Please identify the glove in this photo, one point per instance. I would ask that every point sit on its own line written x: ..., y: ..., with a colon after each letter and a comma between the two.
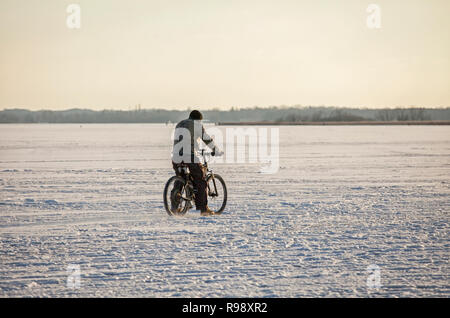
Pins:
x: 216, y: 152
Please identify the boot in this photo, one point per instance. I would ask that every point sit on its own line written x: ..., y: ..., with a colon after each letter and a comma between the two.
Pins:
x: 207, y: 211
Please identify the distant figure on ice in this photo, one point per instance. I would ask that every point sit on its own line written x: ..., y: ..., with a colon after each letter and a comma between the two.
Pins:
x: 189, y: 133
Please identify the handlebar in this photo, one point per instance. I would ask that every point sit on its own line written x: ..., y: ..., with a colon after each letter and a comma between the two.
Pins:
x: 210, y: 153
x: 207, y: 155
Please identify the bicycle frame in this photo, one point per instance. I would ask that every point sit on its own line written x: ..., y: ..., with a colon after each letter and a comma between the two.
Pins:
x: 209, y: 174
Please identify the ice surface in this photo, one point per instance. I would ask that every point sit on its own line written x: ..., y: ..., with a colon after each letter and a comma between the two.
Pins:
x: 344, y: 198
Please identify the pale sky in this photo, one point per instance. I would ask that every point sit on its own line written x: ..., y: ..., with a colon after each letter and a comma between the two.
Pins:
x: 224, y: 53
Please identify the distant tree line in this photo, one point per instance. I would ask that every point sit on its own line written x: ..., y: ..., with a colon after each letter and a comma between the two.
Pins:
x: 277, y: 114
x: 324, y: 114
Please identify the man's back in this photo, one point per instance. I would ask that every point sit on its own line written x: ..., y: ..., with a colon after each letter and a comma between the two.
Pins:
x: 189, y: 133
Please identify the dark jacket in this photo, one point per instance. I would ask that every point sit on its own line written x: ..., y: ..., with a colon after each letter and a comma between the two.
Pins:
x: 186, y: 143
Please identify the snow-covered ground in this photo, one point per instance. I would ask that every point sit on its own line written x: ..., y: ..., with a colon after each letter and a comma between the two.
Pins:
x: 344, y: 199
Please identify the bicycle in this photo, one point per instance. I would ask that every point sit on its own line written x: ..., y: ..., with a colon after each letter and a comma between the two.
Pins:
x: 179, y: 192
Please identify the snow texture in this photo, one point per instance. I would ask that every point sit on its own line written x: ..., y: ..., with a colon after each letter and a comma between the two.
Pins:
x: 345, y: 198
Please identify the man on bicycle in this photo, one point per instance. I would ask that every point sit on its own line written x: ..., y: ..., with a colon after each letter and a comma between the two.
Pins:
x: 189, y: 133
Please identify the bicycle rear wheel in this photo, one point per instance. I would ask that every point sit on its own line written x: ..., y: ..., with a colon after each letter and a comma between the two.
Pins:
x: 176, y: 200
x: 217, y: 193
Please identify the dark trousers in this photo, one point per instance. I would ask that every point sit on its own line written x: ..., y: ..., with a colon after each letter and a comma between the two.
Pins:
x: 198, y: 175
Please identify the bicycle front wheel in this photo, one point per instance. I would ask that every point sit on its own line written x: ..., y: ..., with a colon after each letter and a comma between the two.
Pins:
x: 217, y: 193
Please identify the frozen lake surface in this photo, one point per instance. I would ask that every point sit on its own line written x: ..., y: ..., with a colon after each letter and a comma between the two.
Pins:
x: 345, y: 200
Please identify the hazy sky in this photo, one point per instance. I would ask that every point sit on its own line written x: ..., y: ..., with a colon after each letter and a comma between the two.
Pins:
x: 223, y: 53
